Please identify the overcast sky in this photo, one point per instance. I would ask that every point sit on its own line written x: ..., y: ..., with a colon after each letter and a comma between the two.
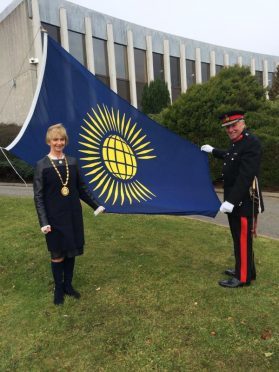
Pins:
x: 250, y: 25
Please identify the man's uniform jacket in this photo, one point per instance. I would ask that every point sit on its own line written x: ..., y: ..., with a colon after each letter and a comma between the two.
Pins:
x: 240, y: 167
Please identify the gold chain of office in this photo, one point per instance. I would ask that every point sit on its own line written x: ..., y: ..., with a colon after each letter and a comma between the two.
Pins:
x: 64, y: 190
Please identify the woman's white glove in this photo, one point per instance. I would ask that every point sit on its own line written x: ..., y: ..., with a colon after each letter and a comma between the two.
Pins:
x: 226, y: 207
x: 46, y: 229
x: 99, y: 210
x: 207, y: 148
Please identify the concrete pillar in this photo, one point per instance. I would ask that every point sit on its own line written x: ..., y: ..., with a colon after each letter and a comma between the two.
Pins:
x: 183, y: 68
x: 64, y: 29
x: 198, y: 66
x: 265, y: 73
x: 212, y: 64
x: 149, y: 59
x: 36, y: 24
x: 131, y: 68
x: 265, y: 76
x: 253, y: 67
x: 167, y: 66
x: 89, y: 45
x: 226, y: 60
x: 239, y: 61
x: 111, y: 58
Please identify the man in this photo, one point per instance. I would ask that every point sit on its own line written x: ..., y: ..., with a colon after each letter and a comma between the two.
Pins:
x: 242, y: 197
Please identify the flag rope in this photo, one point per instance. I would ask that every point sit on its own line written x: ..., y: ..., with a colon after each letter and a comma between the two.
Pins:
x: 8, y: 160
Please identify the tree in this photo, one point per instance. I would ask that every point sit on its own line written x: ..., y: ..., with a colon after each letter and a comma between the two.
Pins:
x: 155, y: 97
x: 274, y: 90
x: 195, y: 113
x: 195, y: 116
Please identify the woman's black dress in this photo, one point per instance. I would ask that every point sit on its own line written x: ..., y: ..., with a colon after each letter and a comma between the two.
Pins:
x: 62, y: 213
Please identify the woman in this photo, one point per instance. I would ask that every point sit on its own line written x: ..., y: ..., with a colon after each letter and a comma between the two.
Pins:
x: 58, y: 189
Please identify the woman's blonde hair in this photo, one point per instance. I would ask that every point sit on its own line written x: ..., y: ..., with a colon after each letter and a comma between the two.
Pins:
x: 54, y: 130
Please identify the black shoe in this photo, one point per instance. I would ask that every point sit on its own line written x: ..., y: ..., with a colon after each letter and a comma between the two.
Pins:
x: 58, y: 297
x: 232, y: 283
x: 70, y: 291
x: 230, y: 272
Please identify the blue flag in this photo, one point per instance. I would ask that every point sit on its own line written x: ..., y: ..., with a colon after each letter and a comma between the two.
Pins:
x: 130, y: 163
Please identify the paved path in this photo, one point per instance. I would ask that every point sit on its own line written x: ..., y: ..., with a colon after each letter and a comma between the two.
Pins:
x: 268, y: 222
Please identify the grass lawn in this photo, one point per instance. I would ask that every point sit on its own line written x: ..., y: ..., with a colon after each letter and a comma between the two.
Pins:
x: 150, y: 298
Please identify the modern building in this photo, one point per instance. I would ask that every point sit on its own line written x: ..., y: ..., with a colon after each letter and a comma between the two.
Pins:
x: 123, y: 55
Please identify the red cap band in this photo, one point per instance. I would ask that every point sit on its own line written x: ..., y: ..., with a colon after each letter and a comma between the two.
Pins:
x: 234, y: 117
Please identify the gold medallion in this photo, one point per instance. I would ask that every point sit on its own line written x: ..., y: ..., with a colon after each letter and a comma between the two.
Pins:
x: 65, y: 191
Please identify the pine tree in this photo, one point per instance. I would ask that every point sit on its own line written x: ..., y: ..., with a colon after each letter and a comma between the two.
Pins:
x: 155, y: 97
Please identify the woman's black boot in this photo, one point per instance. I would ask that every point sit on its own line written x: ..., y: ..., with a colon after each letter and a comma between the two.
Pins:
x: 69, y: 264
x: 57, y: 272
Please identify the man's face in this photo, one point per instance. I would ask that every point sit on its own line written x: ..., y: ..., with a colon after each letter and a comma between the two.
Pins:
x: 235, y: 130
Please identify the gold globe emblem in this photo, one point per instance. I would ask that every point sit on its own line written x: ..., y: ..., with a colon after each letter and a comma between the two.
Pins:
x: 119, y: 157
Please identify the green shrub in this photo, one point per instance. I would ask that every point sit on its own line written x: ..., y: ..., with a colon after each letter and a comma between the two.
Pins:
x: 269, y: 166
x: 7, y: 134
x: 194, y: 116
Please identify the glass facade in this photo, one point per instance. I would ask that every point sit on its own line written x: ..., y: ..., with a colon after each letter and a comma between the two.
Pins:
x: 218, y: 68
x: 190, y: 72
x: 122, y: 76
x: 205, y: 70
x: 270, y: 79
x: 259, y: 77
x: 101, y: 60
x: 158, y: 66
x: 53, y: 31
x: 141, y: 72
x: 77, y: 46
x: 78, y: 50
x: 175, y: 77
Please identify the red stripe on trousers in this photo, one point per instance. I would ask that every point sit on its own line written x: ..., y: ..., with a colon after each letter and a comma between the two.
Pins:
x: 243, y: 249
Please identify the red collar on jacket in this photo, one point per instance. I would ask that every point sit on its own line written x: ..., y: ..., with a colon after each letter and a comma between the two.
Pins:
x: 238, y: 138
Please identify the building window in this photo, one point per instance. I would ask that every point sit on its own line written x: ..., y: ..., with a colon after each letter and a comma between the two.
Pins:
x: 122, y: 77
x: 141, y: 72
x: 259, y: 77
x: 77, y: 46
x: 205, y: 69
x: 175, y: 77
x: 191, y: 72
x: 101, y: 60
x: 270, y: 79
x: 158, y: 66
x: 53, y: 31
x: 218, y: 68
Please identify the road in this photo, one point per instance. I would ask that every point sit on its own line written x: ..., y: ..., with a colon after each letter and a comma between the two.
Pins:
x: 268, y: 222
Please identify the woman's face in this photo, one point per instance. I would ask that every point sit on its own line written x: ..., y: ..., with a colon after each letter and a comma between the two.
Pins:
x: 57, y: 144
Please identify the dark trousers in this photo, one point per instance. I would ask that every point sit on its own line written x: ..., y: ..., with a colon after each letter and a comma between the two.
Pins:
x: 241, y: 230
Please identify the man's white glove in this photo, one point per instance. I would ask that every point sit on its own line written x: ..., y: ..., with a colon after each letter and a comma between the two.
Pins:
x: 226, y: 207
x: 207, y: 148
x: 99, y: 210
x: 46, y: 229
